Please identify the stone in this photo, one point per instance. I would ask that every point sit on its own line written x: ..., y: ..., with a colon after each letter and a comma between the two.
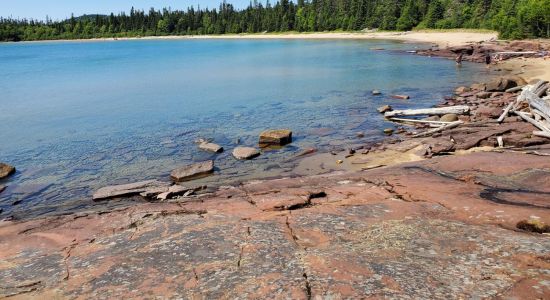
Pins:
x: 483, y: 95
x: 432, y: 118
x: 275, y: 137
x: 2, y: 188
x: 193, y: 171
x: 6, y: 170
x: 490, y: 112
x: 211, y: 147
x: 128, y: 189
x: 385, y: 108
x: 501, y: 84
x: 245, y: 152
x: 174, y: 190
x: 478, y: 86
x: 360, y: 135
x: 461, y: 89
x: 404, y: 97
x: 376, y: 92
x: 388, y: 131
x: 449, y: 118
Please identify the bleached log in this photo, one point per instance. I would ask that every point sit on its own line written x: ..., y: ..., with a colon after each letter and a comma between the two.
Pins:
x: 458, y: 109
x: 545, y: 134
x: 541, y: 90
x: 418, y: 121
x: 538, y: 103
x: 439, y: 129
x: 516, y: 52
x: 537, y: 85
x: 514, y: 89
x: 536, y: 123
x: 506, y: 111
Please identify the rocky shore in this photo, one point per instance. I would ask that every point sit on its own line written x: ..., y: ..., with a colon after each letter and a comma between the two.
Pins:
x: 428, y: 213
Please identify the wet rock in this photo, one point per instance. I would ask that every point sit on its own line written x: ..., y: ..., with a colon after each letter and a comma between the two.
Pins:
x: 360, y: 135
x: 461, y: 89
x: 501, y: 84
x: 245, y: 152
x: 404, y: 97
x: 6, y: 170
x: 127, y: 189
x: 376, y: 92
x: 275, y: 137
x: 385, y: 108
x: 449, y: 118
x: 211, y: 147
x: 193, y: 171
x: 2, y: 188
x: 388, y: 131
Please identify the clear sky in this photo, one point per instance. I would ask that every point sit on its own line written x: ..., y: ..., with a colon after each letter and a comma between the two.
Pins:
x: 61, y: 9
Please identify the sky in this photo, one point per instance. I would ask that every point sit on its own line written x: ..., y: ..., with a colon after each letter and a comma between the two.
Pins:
x: 61, y: 9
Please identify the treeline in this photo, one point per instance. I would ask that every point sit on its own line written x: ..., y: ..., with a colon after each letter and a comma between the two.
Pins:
x: 513, y: 19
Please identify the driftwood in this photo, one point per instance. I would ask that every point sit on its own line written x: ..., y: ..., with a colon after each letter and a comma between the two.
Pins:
x: 514, y: 89
x: 527, y: 118
x: 538, y: 103
x: 458, y: 109
x: 543, y: 133
x: 418, y: 121
x: 506, y: 111
x: 439, y: 129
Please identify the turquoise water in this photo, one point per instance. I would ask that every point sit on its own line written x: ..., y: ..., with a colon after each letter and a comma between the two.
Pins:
x: 76, y: 116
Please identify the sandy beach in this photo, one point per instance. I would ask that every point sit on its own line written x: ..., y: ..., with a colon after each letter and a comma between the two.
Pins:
x: 441, y: 38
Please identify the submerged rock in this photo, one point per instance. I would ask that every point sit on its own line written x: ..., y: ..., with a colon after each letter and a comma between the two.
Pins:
x: 2, y: 188
x: 6, y: 170
x: 211, y: 147
x: 245, y: 152
x: 193, y: 171
x: 388, y: 131
x: 275, y: 137
x: 127, y: 189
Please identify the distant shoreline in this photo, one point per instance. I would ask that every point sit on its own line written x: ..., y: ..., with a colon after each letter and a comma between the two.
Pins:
x: 441, y: 38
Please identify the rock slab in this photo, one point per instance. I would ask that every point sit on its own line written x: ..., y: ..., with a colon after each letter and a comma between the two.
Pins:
x: 275, y: 137
x: 211, y: 147
x: 127, y: 189
x: 245, y: 152
x: 193, y: 171
x: 6, y: 170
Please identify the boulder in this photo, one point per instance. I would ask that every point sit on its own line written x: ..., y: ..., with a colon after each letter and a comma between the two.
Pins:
x: 478, y: 86
x: 432, y: 118
x: 501, y: 84
x: 6, y: 170
x: 276, y: 137
x: 193, y: 171
x: 385, y: 108
x: 245, y: 152
x: 483, y: 95
x: 211, y: 147
x: 461, y: 89
x: 449, y: 118
x: 128, y: 189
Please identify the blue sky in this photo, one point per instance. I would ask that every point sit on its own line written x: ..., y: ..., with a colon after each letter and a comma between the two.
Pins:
x: 61, y: 9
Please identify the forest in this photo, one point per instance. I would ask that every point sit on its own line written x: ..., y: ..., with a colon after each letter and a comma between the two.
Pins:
x: 513, y: 19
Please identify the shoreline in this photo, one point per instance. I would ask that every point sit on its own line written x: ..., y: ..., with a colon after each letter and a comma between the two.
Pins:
x: 451, y: 206
x: 441, y: 38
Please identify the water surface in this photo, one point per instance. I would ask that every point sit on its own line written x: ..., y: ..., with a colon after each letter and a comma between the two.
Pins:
x: 76, y: 116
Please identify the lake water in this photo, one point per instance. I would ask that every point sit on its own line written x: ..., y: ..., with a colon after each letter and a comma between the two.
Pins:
x: 76, y: 116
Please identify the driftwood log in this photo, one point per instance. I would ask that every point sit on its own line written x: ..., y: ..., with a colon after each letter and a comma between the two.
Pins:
x: 439, y: 129
x: 458, y: 109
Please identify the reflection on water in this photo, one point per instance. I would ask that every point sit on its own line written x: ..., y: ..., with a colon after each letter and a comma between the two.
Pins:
x: 79, y: 116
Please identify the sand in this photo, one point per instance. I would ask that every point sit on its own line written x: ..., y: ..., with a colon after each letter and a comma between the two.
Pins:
x: 441, y: 38
x: 529, y: 68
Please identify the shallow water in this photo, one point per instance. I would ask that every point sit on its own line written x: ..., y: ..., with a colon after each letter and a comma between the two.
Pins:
x: 76, y: 116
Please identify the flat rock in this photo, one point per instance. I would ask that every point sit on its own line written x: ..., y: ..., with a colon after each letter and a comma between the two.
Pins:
x: 211, y: 147
x: 245, y: 152
x: 127, y: 189
x: 275, y: 137
x: 6, y: 170
x: 172, y: 191
x: 385, y: 108
x: 376, y: 92
x: 193, y: 171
